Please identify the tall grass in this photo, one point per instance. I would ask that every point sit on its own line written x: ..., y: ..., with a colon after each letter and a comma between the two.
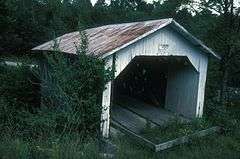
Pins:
x: 175, y: 128
x: 214, y: 147
x: 67, y: 122
x: 69, y: 147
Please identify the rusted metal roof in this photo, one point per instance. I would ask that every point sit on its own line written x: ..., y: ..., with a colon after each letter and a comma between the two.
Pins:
x: 108, y: 39
x: 105, y: 39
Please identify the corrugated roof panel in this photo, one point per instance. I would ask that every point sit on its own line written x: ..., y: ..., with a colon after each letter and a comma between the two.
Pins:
x: 105, y: 38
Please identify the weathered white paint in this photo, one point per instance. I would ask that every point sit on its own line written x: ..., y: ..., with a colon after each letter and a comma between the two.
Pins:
x: 203, y: 65
x: 189, y: 82
x: 15, y: 64
x: 176, y: 46
x: 106, y: 102
x: 169, y: 23
x: 182, y: 90
x: 149, y: 46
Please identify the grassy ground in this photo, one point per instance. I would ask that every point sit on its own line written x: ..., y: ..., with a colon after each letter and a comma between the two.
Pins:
x: 220, y: 146
x: 52, y: 148
x: 174, y: 129
x: 215, y: 146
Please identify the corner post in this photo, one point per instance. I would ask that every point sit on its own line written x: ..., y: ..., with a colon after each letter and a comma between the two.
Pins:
x: 106, y: 103
x: 203, y: 66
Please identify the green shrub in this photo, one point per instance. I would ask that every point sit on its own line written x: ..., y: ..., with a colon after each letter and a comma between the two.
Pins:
x: 19, y: 85
x: 71, y: 94
x: 19, y: 92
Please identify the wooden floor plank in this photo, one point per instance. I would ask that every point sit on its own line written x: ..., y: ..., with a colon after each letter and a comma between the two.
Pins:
x: 165, y: 145
x: 185, y: 139
x: 132, y: 124
x: 133, y: 135
x: 154, y: 114
x: 128, y: 119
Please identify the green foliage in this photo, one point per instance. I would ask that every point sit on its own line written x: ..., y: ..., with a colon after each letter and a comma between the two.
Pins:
x: 71, y: 105
x: 168, y: 8
x: 174, y: 129
x: 16, y: 79
x: 67, y: 148
x: 29, y: 22
x: 19, y: 92
x: 215, y: 146
x: 71, y: 94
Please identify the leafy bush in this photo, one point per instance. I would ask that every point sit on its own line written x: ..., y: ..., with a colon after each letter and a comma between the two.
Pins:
x: 71, y: 94
x: 19, y: 92
x: 19, y: 85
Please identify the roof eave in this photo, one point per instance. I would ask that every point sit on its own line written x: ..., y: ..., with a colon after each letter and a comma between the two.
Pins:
x: 170, y: 22
x: 194, y: 40
x: 176, y: 26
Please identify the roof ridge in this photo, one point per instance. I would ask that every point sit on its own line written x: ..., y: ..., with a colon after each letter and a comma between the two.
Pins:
x: 168, y: 21
x: 88, y: 29
x: 125, y: 23
x: 109, y: 39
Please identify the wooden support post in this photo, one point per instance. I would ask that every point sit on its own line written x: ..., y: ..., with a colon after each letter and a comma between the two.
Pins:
x: 105, y: 117
x: 203, y: 65
x: 106, y: 103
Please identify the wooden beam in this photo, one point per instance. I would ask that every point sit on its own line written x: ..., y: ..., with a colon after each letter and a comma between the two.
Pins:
x: 106, y: 102
x: 133, y: 135
x: 168, y: 144
x: 185, y: 139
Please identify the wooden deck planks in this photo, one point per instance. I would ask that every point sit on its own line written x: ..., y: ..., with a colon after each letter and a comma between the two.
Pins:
x: 187, y: 138
x: 154, y: 114
x: 128, y: 119
x: 133, y: 135
x: 165, y: 145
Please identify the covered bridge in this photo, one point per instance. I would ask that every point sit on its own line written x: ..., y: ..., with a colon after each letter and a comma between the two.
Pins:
x: 157, y: 62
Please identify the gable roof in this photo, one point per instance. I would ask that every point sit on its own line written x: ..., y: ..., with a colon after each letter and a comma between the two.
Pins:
x: 108, y: 39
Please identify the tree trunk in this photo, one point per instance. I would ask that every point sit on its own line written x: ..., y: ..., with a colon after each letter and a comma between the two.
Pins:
x: 223, y: 91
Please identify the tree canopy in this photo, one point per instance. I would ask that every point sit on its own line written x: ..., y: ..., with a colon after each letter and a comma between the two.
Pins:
x: 27, y: 23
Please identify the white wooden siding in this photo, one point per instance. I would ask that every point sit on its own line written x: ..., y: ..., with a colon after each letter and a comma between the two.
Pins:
x: 182, y: 90
x: 175, y: 45
x: 203, y: 65
x: 148, y: 46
